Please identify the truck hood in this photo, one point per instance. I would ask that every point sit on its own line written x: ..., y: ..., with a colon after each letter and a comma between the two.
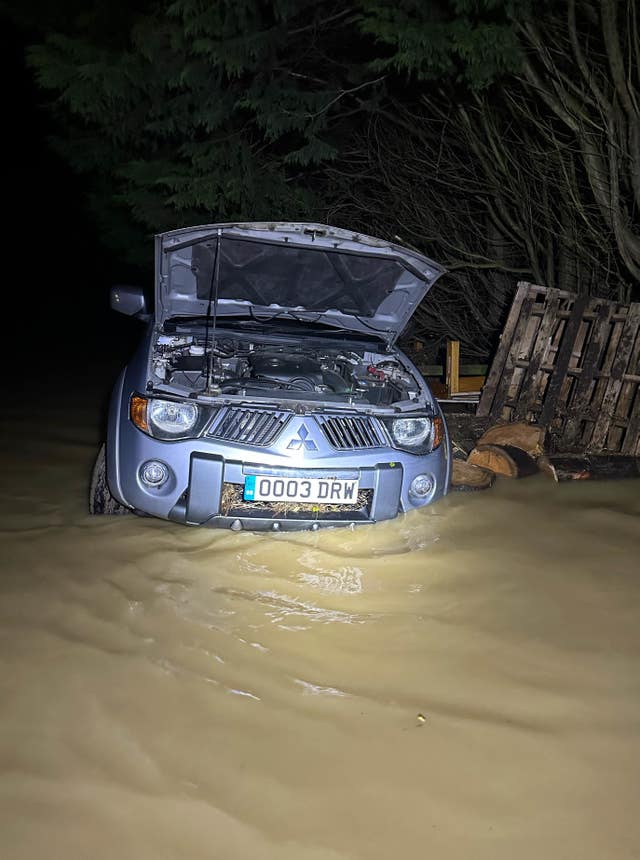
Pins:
x: 308, y: 272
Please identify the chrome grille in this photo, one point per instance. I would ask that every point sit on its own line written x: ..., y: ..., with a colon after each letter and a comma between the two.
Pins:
x: 348, y: 433
x: 249, y: 426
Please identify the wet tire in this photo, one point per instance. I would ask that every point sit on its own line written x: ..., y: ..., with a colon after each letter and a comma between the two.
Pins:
x: 100, y: 499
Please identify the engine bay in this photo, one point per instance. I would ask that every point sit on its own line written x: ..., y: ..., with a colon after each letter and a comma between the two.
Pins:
x: 191, y: 364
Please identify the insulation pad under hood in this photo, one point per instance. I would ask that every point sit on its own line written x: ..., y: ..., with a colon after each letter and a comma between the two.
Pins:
x: 310, y: 272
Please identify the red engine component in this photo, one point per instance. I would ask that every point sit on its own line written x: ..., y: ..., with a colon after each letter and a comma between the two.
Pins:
x: 379, y: 374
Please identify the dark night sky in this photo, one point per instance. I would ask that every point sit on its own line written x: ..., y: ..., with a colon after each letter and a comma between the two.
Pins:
x: 57, y: 258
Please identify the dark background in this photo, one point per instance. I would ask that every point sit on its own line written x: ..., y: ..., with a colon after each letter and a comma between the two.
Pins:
x: 56, y: 272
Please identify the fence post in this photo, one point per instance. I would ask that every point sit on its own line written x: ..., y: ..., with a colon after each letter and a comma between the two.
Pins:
x: 452, y: 375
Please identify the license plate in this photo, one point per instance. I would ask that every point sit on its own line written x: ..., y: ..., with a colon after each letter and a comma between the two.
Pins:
x: 263, y: 488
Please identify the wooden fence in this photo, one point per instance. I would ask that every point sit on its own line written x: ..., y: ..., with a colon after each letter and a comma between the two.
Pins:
x: 572, y: 364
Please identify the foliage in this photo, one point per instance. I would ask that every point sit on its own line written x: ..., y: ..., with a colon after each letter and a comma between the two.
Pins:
x: 538, y: 179
x: 467, y: 41
x: 208, y: 111
x: 581, y: 79
x: 197, y: 111
x: 501, y: 136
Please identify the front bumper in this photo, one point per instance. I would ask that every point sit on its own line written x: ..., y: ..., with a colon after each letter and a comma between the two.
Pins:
x: 204, y: 502
x: 202, y: 471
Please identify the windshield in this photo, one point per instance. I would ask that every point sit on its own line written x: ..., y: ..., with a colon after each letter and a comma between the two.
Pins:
x: 267, y: 274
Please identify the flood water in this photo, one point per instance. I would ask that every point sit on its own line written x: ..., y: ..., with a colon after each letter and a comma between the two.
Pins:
x: 463, y: 682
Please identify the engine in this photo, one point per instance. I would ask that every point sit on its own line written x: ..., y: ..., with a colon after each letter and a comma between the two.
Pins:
x: 288, y: 372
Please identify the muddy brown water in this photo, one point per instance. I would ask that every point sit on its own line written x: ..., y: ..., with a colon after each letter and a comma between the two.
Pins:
x: 463, y: 682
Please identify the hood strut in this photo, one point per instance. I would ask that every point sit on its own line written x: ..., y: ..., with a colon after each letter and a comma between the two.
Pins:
x: 214, y: 289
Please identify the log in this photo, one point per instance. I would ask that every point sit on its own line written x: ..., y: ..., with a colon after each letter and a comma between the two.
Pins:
x: 574, y: 467
x: 519, y: 434
x: 466, y: 477
x: 503, y: 460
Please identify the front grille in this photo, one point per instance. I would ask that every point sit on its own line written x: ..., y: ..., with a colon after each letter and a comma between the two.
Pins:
x: 349, y: 433
x: 249, y: 426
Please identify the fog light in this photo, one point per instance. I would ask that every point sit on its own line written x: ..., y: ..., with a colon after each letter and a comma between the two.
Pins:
x: 154, y: 473
x: 421, y: 486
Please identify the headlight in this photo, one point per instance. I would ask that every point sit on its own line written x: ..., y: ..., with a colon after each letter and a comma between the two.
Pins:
x: 164, y: 419
x: 172, y: 418
x: 417, y: 435
x: 410, y: 432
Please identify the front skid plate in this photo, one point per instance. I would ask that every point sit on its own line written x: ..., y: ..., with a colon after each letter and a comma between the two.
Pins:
x: 262, y: 524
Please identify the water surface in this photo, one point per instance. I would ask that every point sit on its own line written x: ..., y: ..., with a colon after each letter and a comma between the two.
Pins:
x: 463, y: 682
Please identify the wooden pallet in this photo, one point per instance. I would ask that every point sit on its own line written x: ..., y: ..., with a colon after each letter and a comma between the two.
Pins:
x: 572, y: 364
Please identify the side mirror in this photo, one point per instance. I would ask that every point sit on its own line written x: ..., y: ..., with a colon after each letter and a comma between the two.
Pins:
x: 130, y: 301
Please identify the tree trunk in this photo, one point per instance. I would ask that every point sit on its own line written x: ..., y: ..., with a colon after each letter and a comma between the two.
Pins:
x: 519, y: 434
x: 465, y: 477
x: 503, y: 460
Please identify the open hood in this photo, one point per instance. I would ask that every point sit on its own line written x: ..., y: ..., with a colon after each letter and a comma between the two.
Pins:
x: 308, y: 272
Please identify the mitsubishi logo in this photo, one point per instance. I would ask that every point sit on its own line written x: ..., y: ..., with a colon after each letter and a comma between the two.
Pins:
x: 303, y: 441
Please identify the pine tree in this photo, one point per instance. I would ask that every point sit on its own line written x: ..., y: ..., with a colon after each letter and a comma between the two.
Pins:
x: 206, y: 111
x: 190, y: 111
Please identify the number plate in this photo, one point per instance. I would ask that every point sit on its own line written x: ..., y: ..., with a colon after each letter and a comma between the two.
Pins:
x: 263, y: 488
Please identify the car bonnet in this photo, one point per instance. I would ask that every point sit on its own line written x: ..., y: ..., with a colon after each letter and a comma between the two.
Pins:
x: 303, y: 271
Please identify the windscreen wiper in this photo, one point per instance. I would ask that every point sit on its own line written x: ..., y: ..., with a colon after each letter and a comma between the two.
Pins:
x: 236, y: 320
x: 283, y: 320
x: 173, y: 323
